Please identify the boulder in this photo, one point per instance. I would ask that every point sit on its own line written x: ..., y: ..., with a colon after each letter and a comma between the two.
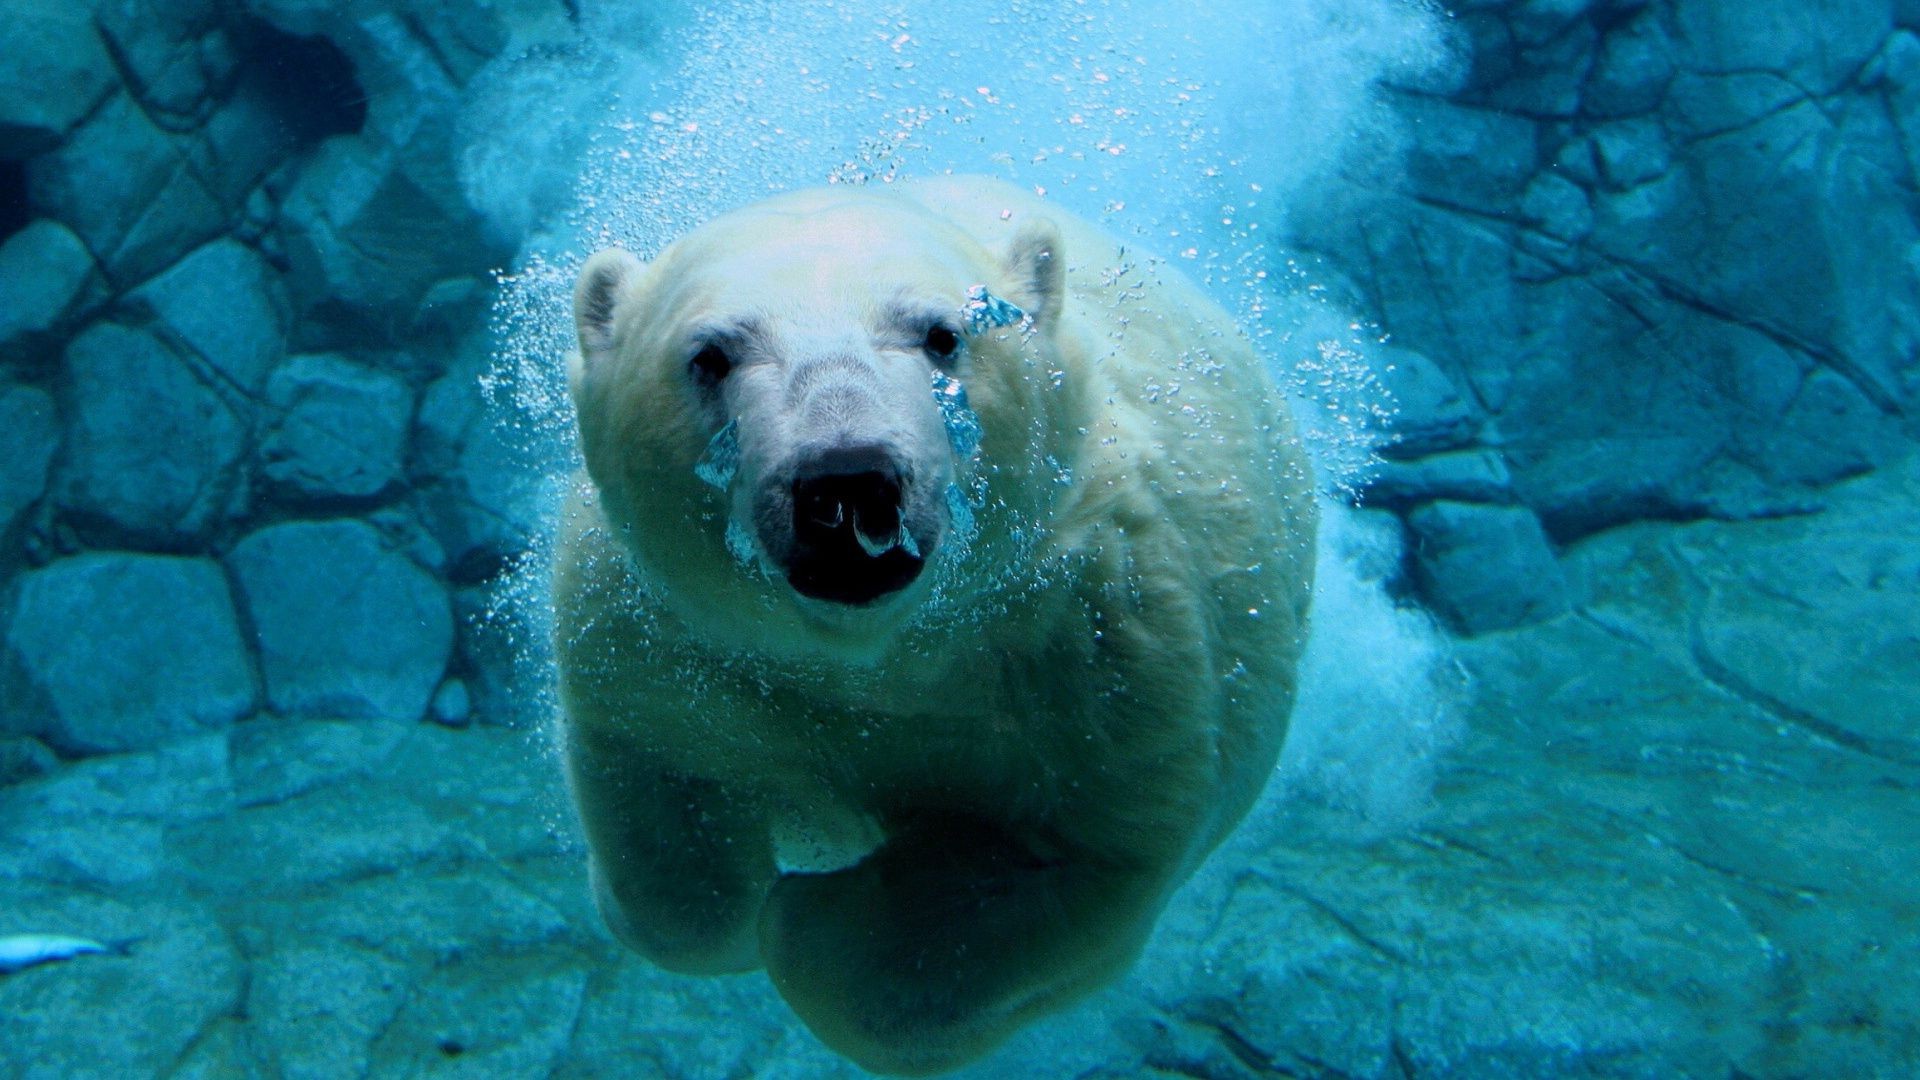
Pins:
x: 346, y: 627
x: 23, y: 757
x: 225, y: 304
x: 126, y: 188
x: 1536, y: 22
x: 1816, y: 47
x: 1631, y: 152
x: 154, y: 444
x: 452, y: 705
x: 48, y: 277
x: 355, y: 225
x: 112, y: 652
x: 1478, y: 159
x: 1431, y: 414
x: 29, y: 434
x: 1631, y: 71
x: 1485, y: 567
x: 1462, y: 475
x: 176, y: 55
x: 53, y: 72
x: 1829, y: 432
x: 342, y: 429
x: 1558, y: 207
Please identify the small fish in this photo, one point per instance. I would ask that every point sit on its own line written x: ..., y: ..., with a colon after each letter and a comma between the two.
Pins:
x: 19, y: 952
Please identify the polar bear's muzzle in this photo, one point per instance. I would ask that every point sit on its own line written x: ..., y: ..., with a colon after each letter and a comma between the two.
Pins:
x: 851, y: 541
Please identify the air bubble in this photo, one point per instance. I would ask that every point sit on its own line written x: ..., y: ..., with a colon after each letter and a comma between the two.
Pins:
x: 741, y: 544
x: 963, y: 427
x: 721, y: 461
x: 984, y: 311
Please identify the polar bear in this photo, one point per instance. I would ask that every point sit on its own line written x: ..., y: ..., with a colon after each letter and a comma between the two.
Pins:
x: 930, y: 607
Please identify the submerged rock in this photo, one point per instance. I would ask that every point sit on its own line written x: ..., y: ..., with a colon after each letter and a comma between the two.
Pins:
x: 1431, y: 413
x: 1485, y: 567
x: 354, y: 225
x: 1477, y: 476
x: 23, y: 757
x: 126, y: 188
x: 48, y: 277
x: 29, y: 435
x: 225, y: 304
x: 342, y: 431
x: 154, y: 443
x: 110, y: 652
x: 53, y: 71
x: 452, y: 705
x: 181, y: 968
x: 176, y: 55
x: 345, y: 626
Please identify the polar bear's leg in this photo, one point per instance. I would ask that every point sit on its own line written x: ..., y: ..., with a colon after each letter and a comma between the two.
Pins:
x: 679, y: 868
x: 948, y: 938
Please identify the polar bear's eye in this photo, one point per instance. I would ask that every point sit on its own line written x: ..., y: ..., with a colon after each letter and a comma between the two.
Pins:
x: 942, y: 342
x: 711, y: 364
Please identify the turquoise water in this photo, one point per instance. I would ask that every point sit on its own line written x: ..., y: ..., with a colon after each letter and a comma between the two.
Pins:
x: 1598, y: 319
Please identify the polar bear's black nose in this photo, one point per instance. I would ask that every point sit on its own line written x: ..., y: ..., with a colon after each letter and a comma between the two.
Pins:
x: 851, y: 544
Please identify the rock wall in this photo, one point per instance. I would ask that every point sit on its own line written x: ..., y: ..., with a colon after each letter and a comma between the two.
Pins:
x: 1654, y: 259
x: 244, y: 459
x: 1651, y: 259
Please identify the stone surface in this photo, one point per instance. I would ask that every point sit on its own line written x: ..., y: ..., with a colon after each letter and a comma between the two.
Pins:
x: 342, y: 429
x: 345, y: 627
x: 496, y: 1016
x: 1460, y: 475
x: 276, y: 759
x: 1672, y: 842
x: 181, y: 967
x: 53, y: 72
x: 452, y: 705
x: 224, y: 304
x: 176, y: 56
x: 29, y: 435
x: 1485, y: 567
x: 1431, y: 413
x: 1855, y: 685
x: 23, y: 757
x: 322, y: 1005
x: 107, y: 652
x: 354, y: 225
x: 46, y: 275
x: 479, y: 490
x: 155, y: 441
x: 125, y: 187
x: 1589, y: 241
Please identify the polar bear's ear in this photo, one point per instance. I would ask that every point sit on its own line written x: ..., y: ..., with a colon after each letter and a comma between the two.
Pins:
x: 1037, y: 269
x: 607, y: 277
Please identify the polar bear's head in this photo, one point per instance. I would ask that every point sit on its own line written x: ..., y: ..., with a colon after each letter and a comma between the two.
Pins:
x: 760, y: 406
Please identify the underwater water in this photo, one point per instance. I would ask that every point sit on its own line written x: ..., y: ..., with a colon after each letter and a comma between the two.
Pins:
x: 1598, y: 318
